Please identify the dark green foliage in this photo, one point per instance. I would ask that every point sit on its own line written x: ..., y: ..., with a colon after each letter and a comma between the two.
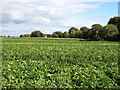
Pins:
x: 37, y: 34
x: 91, y: 34
x: 44, y: 63
x: 21, y: 35
x: 57, y: 34
x: 73, y: 32
x: 84, y: 32
x: 25, y: 35
x: 3, y: 36
x: 8, y: 36
x: 95, y: 32
x: 80, y: 34
x: 65, y: 35
x: 109, y: 32
x: 115, y: 21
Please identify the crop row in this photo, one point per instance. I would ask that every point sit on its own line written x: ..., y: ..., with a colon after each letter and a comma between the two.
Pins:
x: 59, y: 64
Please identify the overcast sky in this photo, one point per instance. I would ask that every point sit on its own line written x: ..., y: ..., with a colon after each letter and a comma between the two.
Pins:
x: 24, y: 16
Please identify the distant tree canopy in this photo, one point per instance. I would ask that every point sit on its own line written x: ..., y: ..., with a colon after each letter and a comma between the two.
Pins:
x: 25, y: 35
x: 65, y: 35
x: 73, y: 32
x: 57, y: 34
x: 109, y: 32
x: 84, y: 32
x: 97, y: 32
x: 115, y: 21
x: 5, y: 36
x: 37, y: 33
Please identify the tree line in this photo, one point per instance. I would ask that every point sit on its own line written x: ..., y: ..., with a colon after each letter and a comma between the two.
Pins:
x: 109, y: 32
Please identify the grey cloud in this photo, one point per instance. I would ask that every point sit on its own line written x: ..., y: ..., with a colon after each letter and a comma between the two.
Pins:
x: 51, y: 13
x: 46, y: 13
x: 6, y: 18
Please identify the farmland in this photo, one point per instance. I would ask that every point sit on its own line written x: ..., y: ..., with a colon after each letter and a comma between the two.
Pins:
x: 59, y: 63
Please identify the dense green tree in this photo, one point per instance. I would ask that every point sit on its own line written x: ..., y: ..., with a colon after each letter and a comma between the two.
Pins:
x: 73, y: 32
x: 57, y: 34
x: 65, y: 35
x: 21, y: 35
x: 115, y: 21
x: 95, y: 30
x: 79, y: 34
x: 8, y: 36
x: 25, y: 35
x: 109, y: 32
x: 37, y: 33
x: 84, y: 32
x: 43, y: 35
x: 90, y: 34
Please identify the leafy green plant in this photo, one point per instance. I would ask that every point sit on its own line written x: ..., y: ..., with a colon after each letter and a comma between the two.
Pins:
x: 43, y: 63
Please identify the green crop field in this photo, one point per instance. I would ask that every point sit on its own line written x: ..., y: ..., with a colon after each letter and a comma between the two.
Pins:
x: 59, y: 63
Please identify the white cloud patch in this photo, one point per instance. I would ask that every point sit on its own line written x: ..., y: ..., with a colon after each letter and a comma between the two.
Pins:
x: 49, y: 13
